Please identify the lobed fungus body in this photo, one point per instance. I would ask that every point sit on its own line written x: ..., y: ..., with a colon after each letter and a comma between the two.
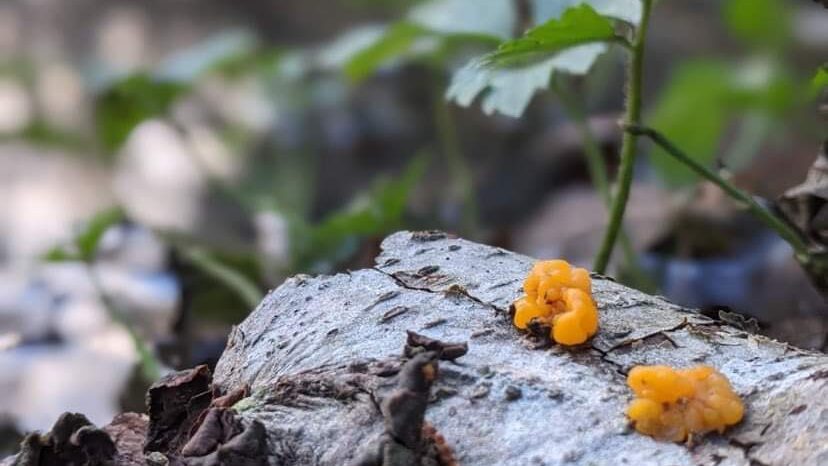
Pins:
x: 676, y: 404
x: 559, y: 296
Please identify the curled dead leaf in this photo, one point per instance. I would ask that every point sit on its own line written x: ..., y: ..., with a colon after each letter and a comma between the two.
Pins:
x: 806, y: 208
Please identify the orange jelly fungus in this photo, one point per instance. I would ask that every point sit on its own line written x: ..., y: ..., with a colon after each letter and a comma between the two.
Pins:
x: 560, y: 296
x: 673, y: 404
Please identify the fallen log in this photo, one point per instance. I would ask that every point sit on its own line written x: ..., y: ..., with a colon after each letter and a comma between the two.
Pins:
x: 415, y: 361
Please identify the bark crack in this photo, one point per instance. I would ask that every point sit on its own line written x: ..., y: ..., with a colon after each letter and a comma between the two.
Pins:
x: 455, y: 290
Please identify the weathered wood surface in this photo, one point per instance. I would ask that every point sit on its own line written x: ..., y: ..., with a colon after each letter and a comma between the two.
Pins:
x: 319, y: 351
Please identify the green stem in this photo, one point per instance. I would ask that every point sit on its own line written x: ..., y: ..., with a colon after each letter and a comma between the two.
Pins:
x: 597, y: 168
x: 459, y: 169
x: 596, y: 165
x: 628, y: 146
x: 766, y: 216
x: 231, y: 278
x: 150, y: 366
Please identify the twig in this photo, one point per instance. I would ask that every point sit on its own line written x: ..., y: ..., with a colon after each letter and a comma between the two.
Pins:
x: 150, y: 366
x: 232, y: 279
x: 766, y: 216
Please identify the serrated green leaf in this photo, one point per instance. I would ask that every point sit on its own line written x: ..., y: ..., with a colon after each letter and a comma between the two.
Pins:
x: 758, y: 22
x: 509, y: 90
x: 129, y: 102
x: 430, y: 31
x: 396, y: 41
x: 578, y: 25
x: 87, y: 240
x: 570, y: 44
x: 625, y: 10
x: 362, y: 55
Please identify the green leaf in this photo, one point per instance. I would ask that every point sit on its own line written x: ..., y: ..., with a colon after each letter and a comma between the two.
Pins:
x: 263, y: 61
x: 819, y: 82
x: 60, y: 254
x: 85, y: 243
x: 511, y: 89
x: 701, y: 99
x: 692, y: 113
x: 764, y: 23
x: 467, y: 17
x: 578, y: 25
x: 625, y: 10
x: 87, y: 240
x: 764, y: 85
x: 374, y: 213
x: 40, y: 133
x: 396, y: 41
x: 191, y: 63
x: 570, y: 45
x: 430, y: 31
x: 129, y: 102
x: 406, y: 40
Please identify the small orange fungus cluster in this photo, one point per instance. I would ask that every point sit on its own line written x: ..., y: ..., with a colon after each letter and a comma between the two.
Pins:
x: 673, y: 404
x: 559, y: 296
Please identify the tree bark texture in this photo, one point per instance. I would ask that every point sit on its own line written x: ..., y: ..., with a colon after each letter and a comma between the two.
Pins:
x: 318, y: 354
x: 416, y: 362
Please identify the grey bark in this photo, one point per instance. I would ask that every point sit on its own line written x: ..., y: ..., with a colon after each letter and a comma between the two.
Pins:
x: 318, y: 351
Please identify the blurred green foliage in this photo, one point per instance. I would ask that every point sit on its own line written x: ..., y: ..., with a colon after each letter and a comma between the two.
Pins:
x: 762, y: 23
x: 371, y: 214
x: 83, y: 248
x: 701, y: 100
x: 394, y: 42
x: 696, y: 106
x: 820, y: 81
x: 126, y: 102
x: 85, y: 243
x: 704, y: 97
x: 41, y: 133
x: 129, y: 102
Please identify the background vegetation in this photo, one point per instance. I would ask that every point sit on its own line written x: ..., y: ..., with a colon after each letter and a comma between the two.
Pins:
x: 244, y: 142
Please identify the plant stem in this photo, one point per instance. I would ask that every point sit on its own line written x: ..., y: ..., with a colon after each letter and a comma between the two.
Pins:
x: 150, y: 366
x: 597, y: 168
x: 635, y: 74
x: 766, y: 216
x: 229, y: 277
x: 596, y: 165
x: 459, y: 169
